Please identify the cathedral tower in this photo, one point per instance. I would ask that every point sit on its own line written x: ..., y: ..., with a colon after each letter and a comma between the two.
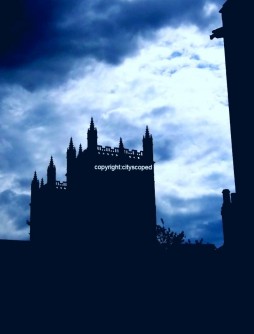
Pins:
x: 51, y: 174
x: 148, y: 145
x: 92, y: 137
x: 71, y: 158
x: 107, y: 202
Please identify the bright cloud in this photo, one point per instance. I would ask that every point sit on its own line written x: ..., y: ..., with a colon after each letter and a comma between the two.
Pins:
x: 175, y: 83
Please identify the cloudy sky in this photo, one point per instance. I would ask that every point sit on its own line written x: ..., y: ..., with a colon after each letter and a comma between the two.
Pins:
x: 127, y: 63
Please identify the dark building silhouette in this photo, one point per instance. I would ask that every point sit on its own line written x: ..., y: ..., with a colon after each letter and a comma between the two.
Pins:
x: 97, y: 209
x: 237, y: 31
x: 177, y: 294
x: 110, y: 208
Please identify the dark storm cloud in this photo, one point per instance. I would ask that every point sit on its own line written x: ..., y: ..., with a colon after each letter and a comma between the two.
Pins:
x: 164, y: 150
x: 41, y: 40
x: 23, y: 184
x: 17, y: 212
x: 26, y: 131
x: 15, y: 153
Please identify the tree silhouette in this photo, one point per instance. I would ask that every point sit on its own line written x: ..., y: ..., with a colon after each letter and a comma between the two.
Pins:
x: 199, y: 242
x: 168, y: 238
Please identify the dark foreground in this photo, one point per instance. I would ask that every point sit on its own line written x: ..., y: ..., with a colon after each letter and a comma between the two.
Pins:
x: 67, y: 291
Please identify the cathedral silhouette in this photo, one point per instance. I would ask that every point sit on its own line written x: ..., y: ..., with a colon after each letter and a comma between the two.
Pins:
x: 107, y: 201
x: 106, y: 209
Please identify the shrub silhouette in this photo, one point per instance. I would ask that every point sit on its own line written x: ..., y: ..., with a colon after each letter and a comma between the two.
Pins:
x: 168, y: 238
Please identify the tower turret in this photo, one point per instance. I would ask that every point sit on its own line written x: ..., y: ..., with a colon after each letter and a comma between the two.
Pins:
x: 148, y: 146
x: 121, y: 148
x: 226, y: 197
x: 35, y: 185
x: 80, y: 150
x: 92, y: 137
x: 71, y: 157
x: 42, y: 182
x: 51, y: 174
x: 71, y: 150
x: 227, y: 213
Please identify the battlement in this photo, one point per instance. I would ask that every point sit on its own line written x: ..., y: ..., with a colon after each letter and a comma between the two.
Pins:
x: 107, y: 150
x: 61, y: 185
x: 75, y: 162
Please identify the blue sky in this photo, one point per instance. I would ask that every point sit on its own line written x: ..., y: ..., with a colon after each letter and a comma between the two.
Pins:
x: 127, y: 63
